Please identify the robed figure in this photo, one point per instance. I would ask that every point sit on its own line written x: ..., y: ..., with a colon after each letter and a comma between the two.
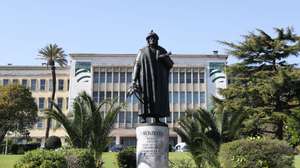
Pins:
x: 150, y: 79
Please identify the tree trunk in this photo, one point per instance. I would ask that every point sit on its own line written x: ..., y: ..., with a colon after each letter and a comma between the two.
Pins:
x: 3, y: 132
x: 52, y: 98
x: 279, y: 131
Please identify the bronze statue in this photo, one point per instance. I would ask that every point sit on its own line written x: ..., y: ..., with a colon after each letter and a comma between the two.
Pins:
x: 150, y: 79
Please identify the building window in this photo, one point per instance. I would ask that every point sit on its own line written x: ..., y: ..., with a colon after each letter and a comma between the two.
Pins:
x: 41, y: 103
x: 175, y: 117
x: 40, y: 123
x: 202, y: 97
x: 33, y: 84
x: 129, y: 99
x: 135, y: 100
x: 170, y: 97
x: 122, y: 97
x: 202, y: 77
x: 128, y: 117
x: 122, y: 77
x: 24, y: 82
x: 115, y: 95
x: 96, y: 77
x: 50, y: 85
x: 108, y: 95
x: 182, y: 114
x: 188, y: 77
x: 95, y: 96
x: 60, y: 84
x: 15, y: 81
x: 5, y: 82
x: 129, y: 77
x: 170, y: 77
x: 175, y: 97
x: 175, y: 77
x: 60, y: 102
x: 101, y: 96
x: 181, y: 77
x: 182, y: 97
x: 121, y: 117
x: 195, y: 77
x: 195, y: 97
x: 135, y: 117
x: 42, y: 84
x: 102, y: 77
x: 109, y: 77
x: 68, y: 85
x: 189, y: 97
x: 116, y: 77
x: 67, y: 102
x: 49, y: 102
x: 169, y: 120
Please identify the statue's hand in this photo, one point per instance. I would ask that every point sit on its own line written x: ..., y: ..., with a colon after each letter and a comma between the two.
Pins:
x: 165, y: 55
x: 133, y: 88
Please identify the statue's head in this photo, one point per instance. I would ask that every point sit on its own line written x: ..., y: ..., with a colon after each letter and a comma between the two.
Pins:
x: 152, y: 39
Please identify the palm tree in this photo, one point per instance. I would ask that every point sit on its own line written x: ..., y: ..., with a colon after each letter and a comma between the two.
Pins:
x: 52, y: 54
x: 88, y: 127
x: 205, y: 131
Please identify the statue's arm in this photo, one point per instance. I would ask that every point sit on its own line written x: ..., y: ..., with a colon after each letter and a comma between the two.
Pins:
x: 136, y: 69
x: 135, y: 85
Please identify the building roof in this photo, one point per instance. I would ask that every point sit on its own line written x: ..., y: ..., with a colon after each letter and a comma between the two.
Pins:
x: 74, y: 55
x: 29, y: 67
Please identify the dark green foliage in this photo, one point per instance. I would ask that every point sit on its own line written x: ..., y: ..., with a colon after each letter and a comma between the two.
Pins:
x: 22, y: 148
x: 70, y: 158
x: 42, y: 158
x: 127, y: 158
x: 256, y: 152
x: 80, y: 158
x: 53, y: 142
x: 263, y: 85
x: 204, y: 132
x: 88, y: 127
x: 18, y: 111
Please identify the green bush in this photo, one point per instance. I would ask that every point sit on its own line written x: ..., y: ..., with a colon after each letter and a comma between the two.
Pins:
x: 127, y: 158
x: 256, y: 152
x: 22, y: 148
x: 53, y: 142
x: 42, y: 158
x: 67, y: 158
x: 79, y: 157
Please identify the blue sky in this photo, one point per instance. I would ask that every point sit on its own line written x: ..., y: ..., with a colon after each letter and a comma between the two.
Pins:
x: 120, y: 26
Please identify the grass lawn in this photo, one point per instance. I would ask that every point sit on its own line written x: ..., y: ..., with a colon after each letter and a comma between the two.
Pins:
x: 109, y: 158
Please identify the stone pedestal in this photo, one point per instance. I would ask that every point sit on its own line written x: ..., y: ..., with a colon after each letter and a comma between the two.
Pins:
x: 152, y: 146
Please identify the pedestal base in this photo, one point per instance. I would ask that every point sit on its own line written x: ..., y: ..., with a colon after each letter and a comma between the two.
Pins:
x: 152, y: 146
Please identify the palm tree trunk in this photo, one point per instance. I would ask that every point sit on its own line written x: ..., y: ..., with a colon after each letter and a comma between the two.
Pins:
x: 52, y: 98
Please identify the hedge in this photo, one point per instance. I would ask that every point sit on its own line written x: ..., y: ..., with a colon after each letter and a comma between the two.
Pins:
x: 256, y: 152
x: 53, y: 142
x: 127, y: 158
x: 65, y: 158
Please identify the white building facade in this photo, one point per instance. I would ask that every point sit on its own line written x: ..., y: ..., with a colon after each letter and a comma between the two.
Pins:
x: 193, y: 80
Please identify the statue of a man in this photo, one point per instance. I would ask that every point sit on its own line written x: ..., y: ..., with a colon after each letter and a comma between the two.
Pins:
x: 150, y: 79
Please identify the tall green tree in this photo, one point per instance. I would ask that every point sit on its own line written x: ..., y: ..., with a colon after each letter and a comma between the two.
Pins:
x: 205, y: 131
x: 89, y: 125
x: 52, y: 54
x: 263, y: 84
x: 18, y: 111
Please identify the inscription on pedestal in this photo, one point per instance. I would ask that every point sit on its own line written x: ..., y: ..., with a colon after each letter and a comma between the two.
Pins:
x: 152, y: 146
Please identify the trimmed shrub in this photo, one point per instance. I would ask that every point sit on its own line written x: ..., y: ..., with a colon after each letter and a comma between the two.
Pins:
x: 42, y: 158
x: 81, y: 158
x: 127, y: 158
x: 69, y: 158
x: 53, y: 142
x: 22, y: 148
x: 258, y: 153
